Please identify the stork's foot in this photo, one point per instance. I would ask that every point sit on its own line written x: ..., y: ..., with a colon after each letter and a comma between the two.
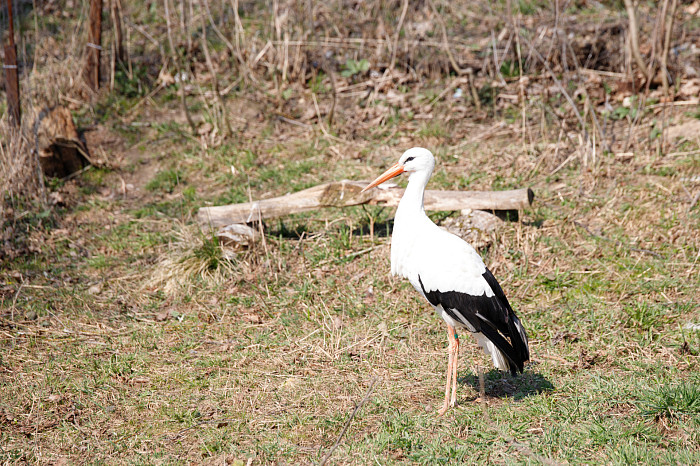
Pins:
x: 445, y: 408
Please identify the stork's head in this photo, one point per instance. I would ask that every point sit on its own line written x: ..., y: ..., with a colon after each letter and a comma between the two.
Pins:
x: 414, y: 160
x: 417, y: 159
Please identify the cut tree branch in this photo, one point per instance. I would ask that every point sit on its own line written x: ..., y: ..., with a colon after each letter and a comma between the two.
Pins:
x: 347, y: 193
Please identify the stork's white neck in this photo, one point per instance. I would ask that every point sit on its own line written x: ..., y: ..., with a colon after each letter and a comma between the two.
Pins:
x: 411, y: 204
x: 410, y: 224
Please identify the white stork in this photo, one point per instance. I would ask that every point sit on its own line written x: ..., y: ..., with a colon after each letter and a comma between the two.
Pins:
x: 450, y: 274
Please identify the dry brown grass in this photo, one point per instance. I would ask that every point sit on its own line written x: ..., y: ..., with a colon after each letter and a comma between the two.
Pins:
x: 20, y: 174
x: 192, y: 255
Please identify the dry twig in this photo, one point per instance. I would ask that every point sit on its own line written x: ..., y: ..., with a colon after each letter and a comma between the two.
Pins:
x: 634, y: 39
x: 560, y: 86
x: 210, y: 65
x: 667, y: 45
x: 396, y: 37
x: 179, y: 67
x: 349, y: 421
x: 446, y: 43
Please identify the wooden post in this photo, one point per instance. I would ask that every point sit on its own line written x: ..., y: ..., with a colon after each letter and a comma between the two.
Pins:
x: 12, y: 75
x: 94, y: 46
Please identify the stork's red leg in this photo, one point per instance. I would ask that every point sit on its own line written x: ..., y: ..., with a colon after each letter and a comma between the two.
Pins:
x: 455, y: 358
x: 450, y: 364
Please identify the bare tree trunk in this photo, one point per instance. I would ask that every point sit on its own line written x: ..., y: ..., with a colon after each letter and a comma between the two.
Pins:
x: 94, y: 46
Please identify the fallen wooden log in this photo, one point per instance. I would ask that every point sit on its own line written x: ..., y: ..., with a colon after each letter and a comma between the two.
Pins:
x: 347, y: 193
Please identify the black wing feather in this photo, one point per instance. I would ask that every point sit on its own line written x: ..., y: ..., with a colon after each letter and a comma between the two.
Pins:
x: 491, y: 316
x: 519, y: 342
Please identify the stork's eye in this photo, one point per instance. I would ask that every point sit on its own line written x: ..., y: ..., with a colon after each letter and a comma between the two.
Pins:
x: 408, y: 159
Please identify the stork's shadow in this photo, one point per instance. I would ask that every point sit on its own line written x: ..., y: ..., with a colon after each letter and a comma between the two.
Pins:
x: 498, y: 384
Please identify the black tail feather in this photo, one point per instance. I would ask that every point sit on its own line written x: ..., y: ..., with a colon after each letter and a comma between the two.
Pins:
x: 515, y: 362
x: 518, y: 338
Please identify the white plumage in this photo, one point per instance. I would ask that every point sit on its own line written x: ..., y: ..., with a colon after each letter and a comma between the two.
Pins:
x: 450, y: 274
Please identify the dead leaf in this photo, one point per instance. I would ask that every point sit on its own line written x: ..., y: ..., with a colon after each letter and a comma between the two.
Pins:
x: 690, y: 88
x: 237, y: 235
x: 309, y: 113
x: 252, y: 318
x: 165, y: 78
x: 564, y: 336
x: 204, y: 129
x: 55, y: 198
x: 394, y: 97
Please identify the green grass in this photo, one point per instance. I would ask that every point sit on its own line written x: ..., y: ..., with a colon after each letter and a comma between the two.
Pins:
x: 165, y: 181
x: 267, y: 360
x: 673, y: 402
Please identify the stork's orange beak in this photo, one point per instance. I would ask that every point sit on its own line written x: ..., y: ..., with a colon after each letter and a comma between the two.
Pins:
x: 387, y: 175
